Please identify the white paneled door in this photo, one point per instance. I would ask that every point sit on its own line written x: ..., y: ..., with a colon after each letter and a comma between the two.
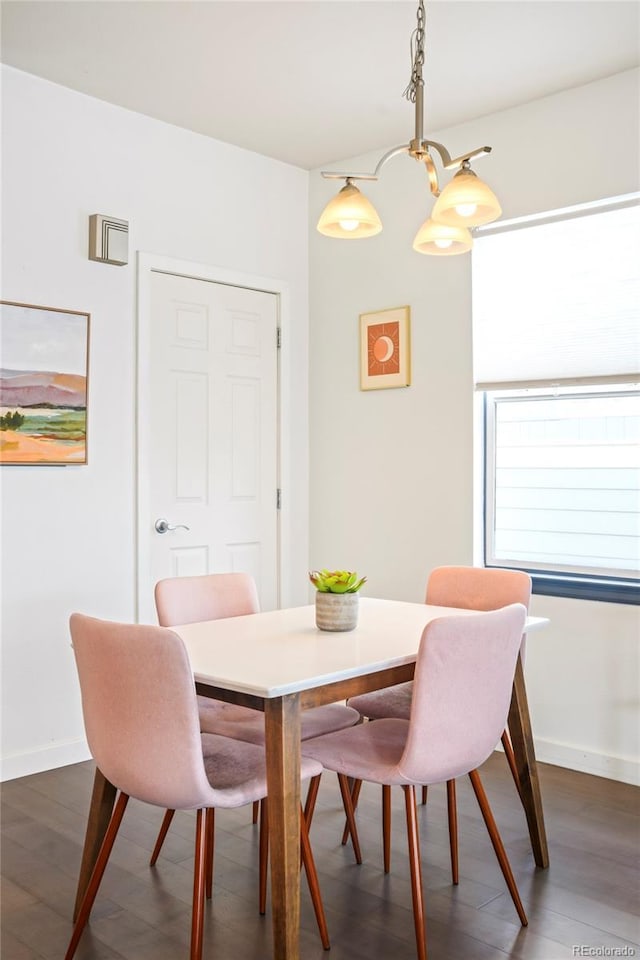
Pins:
x: 212, y: 433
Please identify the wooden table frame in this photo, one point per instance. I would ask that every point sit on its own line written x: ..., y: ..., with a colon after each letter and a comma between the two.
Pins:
x: 282, y: 731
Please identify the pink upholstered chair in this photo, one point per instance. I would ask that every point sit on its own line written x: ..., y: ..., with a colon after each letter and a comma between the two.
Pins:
x: 461, y: 695
x: 213, y: 596
x: 467, y: 588
x: 149, y: 745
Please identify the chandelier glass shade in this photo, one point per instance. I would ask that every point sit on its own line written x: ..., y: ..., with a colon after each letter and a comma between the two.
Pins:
x: 349, y: 216
x: 441, y: 240
x: 465, y: 202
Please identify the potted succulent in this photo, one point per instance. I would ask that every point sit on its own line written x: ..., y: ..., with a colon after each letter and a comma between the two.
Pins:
x: 336, y: 598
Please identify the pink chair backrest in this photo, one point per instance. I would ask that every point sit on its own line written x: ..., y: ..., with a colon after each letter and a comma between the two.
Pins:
x: 209, y: 597
x: 477, y: 588
x: 140, y: 712
x: 461, y: 692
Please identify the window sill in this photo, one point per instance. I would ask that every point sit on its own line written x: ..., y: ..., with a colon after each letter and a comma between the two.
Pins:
x: 586, y: 588
x: 574, y: 586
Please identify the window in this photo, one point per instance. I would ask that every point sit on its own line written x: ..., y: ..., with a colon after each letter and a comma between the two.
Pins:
x: 557, y: 361
x: 562, y: 485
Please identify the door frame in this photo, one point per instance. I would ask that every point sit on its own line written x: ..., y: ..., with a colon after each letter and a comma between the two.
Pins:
x: 148, y: 264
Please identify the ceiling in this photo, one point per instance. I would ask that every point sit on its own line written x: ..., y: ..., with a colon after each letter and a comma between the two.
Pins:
x: 313, y: 82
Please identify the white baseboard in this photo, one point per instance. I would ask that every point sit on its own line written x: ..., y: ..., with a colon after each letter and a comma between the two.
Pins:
x: 625, y: 769
x: 47, y: 758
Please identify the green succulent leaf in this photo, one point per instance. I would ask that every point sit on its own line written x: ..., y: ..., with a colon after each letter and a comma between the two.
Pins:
x: 357, y: 586
x: 340, y: 588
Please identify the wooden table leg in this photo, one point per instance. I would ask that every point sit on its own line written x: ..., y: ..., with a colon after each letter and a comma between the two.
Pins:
x: 282, y: 729
x: 522, y: 741
x: 102, y: 800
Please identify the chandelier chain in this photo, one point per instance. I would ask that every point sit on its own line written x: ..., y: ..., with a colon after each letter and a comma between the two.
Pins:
x: 417, y: 54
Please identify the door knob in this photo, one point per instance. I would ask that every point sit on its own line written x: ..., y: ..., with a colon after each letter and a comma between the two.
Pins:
x: 163, y: 526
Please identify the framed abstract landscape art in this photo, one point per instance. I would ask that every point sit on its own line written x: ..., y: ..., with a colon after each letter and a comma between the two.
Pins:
x: 44, y: 366
x: 385, y: 359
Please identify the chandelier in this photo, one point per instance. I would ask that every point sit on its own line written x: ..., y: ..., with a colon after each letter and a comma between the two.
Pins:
x: 465, y: 202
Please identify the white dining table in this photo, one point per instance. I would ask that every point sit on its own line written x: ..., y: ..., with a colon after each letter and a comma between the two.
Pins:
x: 280, y: 663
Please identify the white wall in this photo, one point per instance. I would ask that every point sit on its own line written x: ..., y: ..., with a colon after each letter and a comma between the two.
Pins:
x: 68, y: 533
x: 392, y: 470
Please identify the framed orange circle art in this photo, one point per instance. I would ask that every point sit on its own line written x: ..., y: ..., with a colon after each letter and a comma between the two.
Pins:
x: 385, y: 354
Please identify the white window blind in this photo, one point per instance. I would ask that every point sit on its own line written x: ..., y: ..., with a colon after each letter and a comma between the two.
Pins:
x: 558, y: 302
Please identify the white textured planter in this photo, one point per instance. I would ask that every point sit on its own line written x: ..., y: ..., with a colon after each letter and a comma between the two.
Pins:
x: 336, y: 611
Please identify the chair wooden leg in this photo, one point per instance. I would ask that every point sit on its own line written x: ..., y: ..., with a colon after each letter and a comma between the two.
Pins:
x: 416, y: 871
x: 312, y: 879
x: 355, y: 796
x: 166, y: 823
x: 386, y: 826
x: 511, y: 760
x: 312, y: 795
x: 348, y: 809
x: 255, y: 811
x: 452, y: 810
x: 97, y: 873
x: 498, y: 846
x: 210, y: 828
x: 424, y: 795
x: 264, y: 856
x: 199, y: 870
x: 103, y: 798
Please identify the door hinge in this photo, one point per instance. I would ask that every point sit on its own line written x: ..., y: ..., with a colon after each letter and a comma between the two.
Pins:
x: 278, y: 498
x: 278, y: 338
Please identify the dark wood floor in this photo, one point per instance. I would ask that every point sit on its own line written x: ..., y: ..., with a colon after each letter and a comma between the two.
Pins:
x: 588, y: 898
